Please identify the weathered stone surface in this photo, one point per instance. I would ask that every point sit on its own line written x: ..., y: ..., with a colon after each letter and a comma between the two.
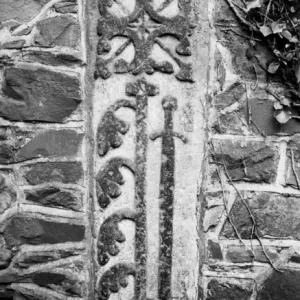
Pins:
x: 8, y: 194
x: 7, y: 154
x: 20, y: 10
x: 240, y: 254
x: 246, y: 160
x: 5, y: 254
x: 52, y: 143
x: 58, y: 282
x: 37, y: 94
x: 281, y: 286
x: 65, y: 172
x: 262, y: 114
x: 58, y: 31
x: 66, y: 7
x: 33, y: 231
x: 49, y: 58
x: 212, y: 217
x: 29, y: 259
x: 276, y: 215
x: 214, y: 250
x: 233, y: 94
x: 293, y: 153
x: 13, y: 45
x: 55, y: 197
x: 226, y: 291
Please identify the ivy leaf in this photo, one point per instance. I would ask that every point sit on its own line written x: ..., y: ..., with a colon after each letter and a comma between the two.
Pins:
x: 265, y: 30
x: 277, y: 106
x: 273, y: 67
x: 278, y: 27
x: 283, y: 116
x: 289, y: 36
x: 254, y: 4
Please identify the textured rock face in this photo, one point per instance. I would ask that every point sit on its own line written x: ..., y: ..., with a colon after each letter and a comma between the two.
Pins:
x: 20, y: 10
x: 58, y: 31
x: 246, y: 160
x: 275, y: 215
x: 217, y: 290
x: 281, y: 286
x: 32, y: 231
x: 38, y: 94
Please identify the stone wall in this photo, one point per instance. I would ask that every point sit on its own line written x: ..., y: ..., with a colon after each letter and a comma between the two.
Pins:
x: 139, y: 155
x: 44, y: 203
x: 252, y: 185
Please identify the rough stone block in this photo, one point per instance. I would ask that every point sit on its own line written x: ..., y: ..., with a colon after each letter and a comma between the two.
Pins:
x: 55, y: 197
x: 233, y: 94
x: 226, y: 291
x: 38, y: 94
x: 246, y: 160
x: 214, y: 250
x: 61, y: 31
x: 28, y: 230
x: 50, y: 58
x: 20, y: 10
x: 281, y: 286
x: 65, y: 172
x: 276, y: 215
x: 240, y: 254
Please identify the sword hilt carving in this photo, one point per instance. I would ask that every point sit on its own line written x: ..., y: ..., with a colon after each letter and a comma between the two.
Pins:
x: 169, y: 105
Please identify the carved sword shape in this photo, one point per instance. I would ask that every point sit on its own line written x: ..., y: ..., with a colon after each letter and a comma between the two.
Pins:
x: 167, y: 186
x: 142, y: 90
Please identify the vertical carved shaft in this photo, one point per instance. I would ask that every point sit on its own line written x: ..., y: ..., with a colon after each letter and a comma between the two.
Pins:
x: 140, y: 189
x: 166, y: 199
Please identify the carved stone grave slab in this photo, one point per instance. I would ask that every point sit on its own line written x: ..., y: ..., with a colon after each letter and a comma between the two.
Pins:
x: 149, y: 121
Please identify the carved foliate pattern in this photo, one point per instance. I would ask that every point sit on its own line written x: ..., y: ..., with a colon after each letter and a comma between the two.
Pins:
x: 111, y: 128
x: 114, y: 279
x: 110, y: 235
x: 110, y: 178
x: 143, y: 28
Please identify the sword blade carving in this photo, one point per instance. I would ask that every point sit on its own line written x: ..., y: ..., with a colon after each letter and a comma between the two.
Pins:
x: 141, y: 90
x: 166, y: 198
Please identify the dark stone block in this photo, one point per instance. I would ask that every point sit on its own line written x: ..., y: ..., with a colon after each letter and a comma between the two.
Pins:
x: 50, y: 280
x: 33, y: 231
x: 55, y: 197
x: 37, y: 94
x: 262, y: 114
x: 8, y: 193
x: 13, y: 45
x: 222, y: 291
x: 7, y: 154
x: 281, y: 286
x: 53, y: 143
x: 61, y: 31
x: 246, y: 160
x: 240, y: 254
x: 214, y: 250
x: 29, y: 259
x: 65, y: 172
x: 20, y: 10
x: 5, y: 254
x: 233, y: 94
x: 49, y: 58
x: 66, y: 7
x: 276, y: 215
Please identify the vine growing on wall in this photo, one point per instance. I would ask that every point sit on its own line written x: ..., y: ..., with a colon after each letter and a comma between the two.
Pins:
x: 277, y: 24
